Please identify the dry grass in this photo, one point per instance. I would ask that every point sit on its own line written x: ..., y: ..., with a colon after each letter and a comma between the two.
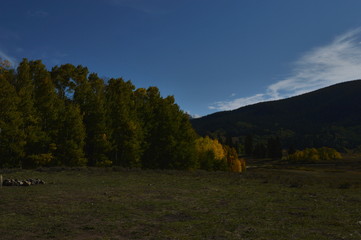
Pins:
x: 134, y: 204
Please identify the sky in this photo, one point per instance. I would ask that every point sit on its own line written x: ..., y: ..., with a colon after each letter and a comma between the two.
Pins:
x: 212, y: 55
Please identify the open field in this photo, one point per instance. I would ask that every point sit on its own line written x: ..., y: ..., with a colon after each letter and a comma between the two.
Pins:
x: 293, y: 203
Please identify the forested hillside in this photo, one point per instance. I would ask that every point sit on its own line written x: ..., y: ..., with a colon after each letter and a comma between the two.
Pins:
x: 70, y: 117
x: 327, y: 117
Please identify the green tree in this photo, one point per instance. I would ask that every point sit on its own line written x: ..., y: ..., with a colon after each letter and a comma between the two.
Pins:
x: 71, y: 138
x: 12, y: 139
x: 169, y: 136
x: 31, y: 120
x: 126, y: 134
x: 57, y: 115
x: 63, y: 79
x: 89, y: 95
x: 49, y: 108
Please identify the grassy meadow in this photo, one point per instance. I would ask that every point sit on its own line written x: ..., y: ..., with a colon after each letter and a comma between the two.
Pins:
x: 298, y: 202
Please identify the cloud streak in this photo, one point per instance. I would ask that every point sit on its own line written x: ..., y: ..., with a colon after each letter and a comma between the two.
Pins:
x: 336, y: 62
x: 4, y: 56
x: 236, y: 103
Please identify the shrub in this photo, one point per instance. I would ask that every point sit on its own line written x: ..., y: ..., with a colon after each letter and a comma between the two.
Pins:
x: 104, y: 163
x: 314, y: 155
x: 41, y: 160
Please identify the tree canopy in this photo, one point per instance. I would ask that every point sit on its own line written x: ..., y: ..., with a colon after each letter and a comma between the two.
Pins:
x: 70, y: 117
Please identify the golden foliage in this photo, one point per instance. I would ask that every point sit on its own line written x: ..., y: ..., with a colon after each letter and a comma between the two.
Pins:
x: 228, y: 157
x: 315, y: 155
x: 207, y: 144
x: 236, y: 166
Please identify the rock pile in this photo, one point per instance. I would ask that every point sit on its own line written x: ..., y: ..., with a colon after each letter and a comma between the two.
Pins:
x: 16, y: 182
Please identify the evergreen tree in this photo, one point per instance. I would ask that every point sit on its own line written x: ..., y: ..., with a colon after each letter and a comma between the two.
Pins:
x: 260, y: 151
x: 248, y: 145
x: 274, y: 149
x: 229, y: 141
x: 291, y: 150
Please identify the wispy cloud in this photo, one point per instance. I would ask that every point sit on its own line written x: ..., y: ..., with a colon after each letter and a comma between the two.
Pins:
x: 336, y: 62
x: 236, y: 103
x: 4, y: 56
x: 193, y: 115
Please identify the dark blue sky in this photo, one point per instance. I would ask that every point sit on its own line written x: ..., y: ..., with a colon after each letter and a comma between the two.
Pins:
x: 211, y: 55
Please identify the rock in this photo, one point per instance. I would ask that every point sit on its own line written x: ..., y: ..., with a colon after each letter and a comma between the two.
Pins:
x: 32, y: 181
x: 25, y: 183
x: 7, y: 182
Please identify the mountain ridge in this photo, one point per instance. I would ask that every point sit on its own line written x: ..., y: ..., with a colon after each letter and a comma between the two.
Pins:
x: 331, y: 115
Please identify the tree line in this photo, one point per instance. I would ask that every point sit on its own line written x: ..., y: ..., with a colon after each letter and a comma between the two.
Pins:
x: 259, y: 149
x: 70, y: 117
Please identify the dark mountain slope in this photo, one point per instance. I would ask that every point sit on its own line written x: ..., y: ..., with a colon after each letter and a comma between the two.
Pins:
x: 328, y: 116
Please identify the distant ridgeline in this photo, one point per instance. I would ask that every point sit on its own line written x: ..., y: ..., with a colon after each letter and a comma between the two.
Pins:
x: 328, y: 117
x: 68, y: 117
